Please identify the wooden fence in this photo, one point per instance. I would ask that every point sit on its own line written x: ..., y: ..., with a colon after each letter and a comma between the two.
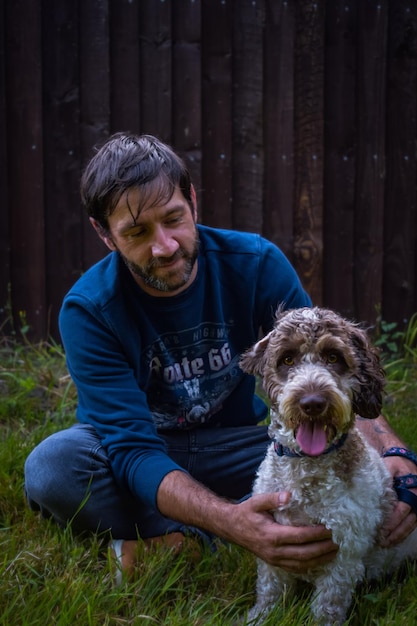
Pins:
x: 297, y: 118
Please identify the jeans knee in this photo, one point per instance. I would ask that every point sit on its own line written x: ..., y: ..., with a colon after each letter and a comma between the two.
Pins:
x: 59, y: 468
x: 43, y: 467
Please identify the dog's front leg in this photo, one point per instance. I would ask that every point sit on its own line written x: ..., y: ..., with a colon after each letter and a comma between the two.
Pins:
x: 272, y: 585
x: 334, y: 593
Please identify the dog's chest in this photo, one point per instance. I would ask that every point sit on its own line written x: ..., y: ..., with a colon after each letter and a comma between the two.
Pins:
x: 315, y: 485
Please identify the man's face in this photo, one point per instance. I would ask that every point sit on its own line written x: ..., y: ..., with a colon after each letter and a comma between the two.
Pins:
x: 159, y: 244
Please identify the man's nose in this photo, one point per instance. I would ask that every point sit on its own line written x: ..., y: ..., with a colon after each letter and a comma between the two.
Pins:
x: 163, y: 244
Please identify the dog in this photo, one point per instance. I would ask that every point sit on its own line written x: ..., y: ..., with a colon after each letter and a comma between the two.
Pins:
x: 319, y: 370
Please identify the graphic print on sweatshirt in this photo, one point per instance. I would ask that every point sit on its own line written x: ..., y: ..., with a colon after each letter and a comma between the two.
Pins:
x: 192, y: 372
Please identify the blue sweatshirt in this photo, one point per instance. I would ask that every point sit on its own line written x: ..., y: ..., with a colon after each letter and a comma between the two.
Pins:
x: 142, y: 364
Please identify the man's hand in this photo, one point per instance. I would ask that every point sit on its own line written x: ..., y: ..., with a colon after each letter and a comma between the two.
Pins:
x: 402, y: 520
x: 293, y: 548
x: 250, y: 523
x: 382, y: 437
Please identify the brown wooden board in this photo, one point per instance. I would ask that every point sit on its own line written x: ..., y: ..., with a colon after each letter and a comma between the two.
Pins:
x: 61, y: 111
x: 370, y: 186
x: 400, y: 223
x: 278, y: 90
x: 340, y: 156
x: 4, y: 213
x: 309, y: 137
x: 156, y: 68
x: 95, y: 100
x: 124, y: 66
x: 247, y: 117
x: 186, y: 84
x: 25, y: 163
x: 216, y: 51
x: 186, y: 76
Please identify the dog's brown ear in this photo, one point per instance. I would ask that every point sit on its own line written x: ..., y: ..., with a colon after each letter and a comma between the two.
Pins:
x: 253, y: 360
x: 367, y: 401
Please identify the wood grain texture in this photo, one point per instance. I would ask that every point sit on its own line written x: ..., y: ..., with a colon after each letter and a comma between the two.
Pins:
x: 296, y: 118
x: 309, y: 140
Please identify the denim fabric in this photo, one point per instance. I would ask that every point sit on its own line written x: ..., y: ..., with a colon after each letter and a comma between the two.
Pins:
x: 68, y: 477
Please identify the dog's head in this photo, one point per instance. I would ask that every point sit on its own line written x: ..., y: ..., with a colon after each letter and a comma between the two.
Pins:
x: 318, y: 370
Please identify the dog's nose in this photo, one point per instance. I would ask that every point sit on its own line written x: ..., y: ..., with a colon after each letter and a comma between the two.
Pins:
x: 313, y: 404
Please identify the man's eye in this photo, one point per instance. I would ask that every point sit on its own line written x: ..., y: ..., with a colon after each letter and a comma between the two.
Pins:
x: 173, y: 221
x: 137, y: 233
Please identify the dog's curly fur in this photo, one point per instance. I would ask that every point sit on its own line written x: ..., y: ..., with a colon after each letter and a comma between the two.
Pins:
x: 318, y: 371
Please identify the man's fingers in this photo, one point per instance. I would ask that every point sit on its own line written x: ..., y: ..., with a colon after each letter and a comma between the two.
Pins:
x: 300, y: 559
x: 304, y: 535
x: 298, y: 535
x: 307, y: 551
x: 270, y: 501
x: 300, y: 567
x: 400, y: 524
x: 294, y: 548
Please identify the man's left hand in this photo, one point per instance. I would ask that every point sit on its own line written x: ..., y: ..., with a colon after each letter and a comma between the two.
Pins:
x: 402, y: 520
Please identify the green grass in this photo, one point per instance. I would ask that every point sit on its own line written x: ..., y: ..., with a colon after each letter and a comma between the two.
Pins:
x: 47, y: 576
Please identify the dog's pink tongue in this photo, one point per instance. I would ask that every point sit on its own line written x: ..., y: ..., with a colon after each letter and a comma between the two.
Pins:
x: 311, y: 438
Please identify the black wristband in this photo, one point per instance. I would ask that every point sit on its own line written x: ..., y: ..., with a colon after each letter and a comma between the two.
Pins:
x: 407, y: 454
x: 408, y: 481
x: 404, y: 495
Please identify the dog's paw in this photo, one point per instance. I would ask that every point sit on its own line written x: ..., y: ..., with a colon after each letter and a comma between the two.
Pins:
x: 255, y: 616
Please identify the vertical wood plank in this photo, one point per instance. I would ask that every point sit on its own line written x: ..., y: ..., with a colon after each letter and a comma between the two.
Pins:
x: 5, y: 326
x: 156, y: 68
x: 25, y: 161
x: 278, y: 223
x: 216, y: 43
x: 400, y: 222
x: 340, y: 156
x: 95, y: 100
x: 186, y: 85
x: 61, y: 112
x: 124, y: 66
x: 309, y: 139
x: 247, y: 115
x: 371, y: 108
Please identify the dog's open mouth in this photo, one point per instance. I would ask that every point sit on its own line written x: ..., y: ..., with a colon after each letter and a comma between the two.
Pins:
x: 313, y: 437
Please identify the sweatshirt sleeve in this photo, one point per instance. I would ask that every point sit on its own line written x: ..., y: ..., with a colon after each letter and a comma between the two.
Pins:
x: 111, y: 398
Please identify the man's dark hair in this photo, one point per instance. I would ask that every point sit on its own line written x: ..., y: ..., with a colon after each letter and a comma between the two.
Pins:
x: 128, y: 161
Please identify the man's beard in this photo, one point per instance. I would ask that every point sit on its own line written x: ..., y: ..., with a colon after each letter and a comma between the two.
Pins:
x: 174, y: 279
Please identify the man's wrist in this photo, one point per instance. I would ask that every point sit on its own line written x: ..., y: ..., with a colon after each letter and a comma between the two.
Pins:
x: 183, y: 498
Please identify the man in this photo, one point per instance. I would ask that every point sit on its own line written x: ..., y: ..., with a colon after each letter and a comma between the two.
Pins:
x: 168, y: 441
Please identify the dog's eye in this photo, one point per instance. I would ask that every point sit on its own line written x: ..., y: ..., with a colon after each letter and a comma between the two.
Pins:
x: 332, y: 358
x: 288, y: 360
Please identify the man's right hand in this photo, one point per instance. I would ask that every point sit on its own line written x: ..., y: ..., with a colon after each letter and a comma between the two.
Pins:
x: 249, y: 523
x: 295, y: 549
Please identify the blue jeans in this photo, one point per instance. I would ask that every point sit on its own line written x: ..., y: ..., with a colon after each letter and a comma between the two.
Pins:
x: 68, y: 477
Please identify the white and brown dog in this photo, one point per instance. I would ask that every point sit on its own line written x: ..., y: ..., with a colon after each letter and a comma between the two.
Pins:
x: 318, y: 371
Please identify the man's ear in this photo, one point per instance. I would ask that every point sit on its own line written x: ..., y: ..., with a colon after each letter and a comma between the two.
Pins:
x: 102, y: 233
x: 194, y: 202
